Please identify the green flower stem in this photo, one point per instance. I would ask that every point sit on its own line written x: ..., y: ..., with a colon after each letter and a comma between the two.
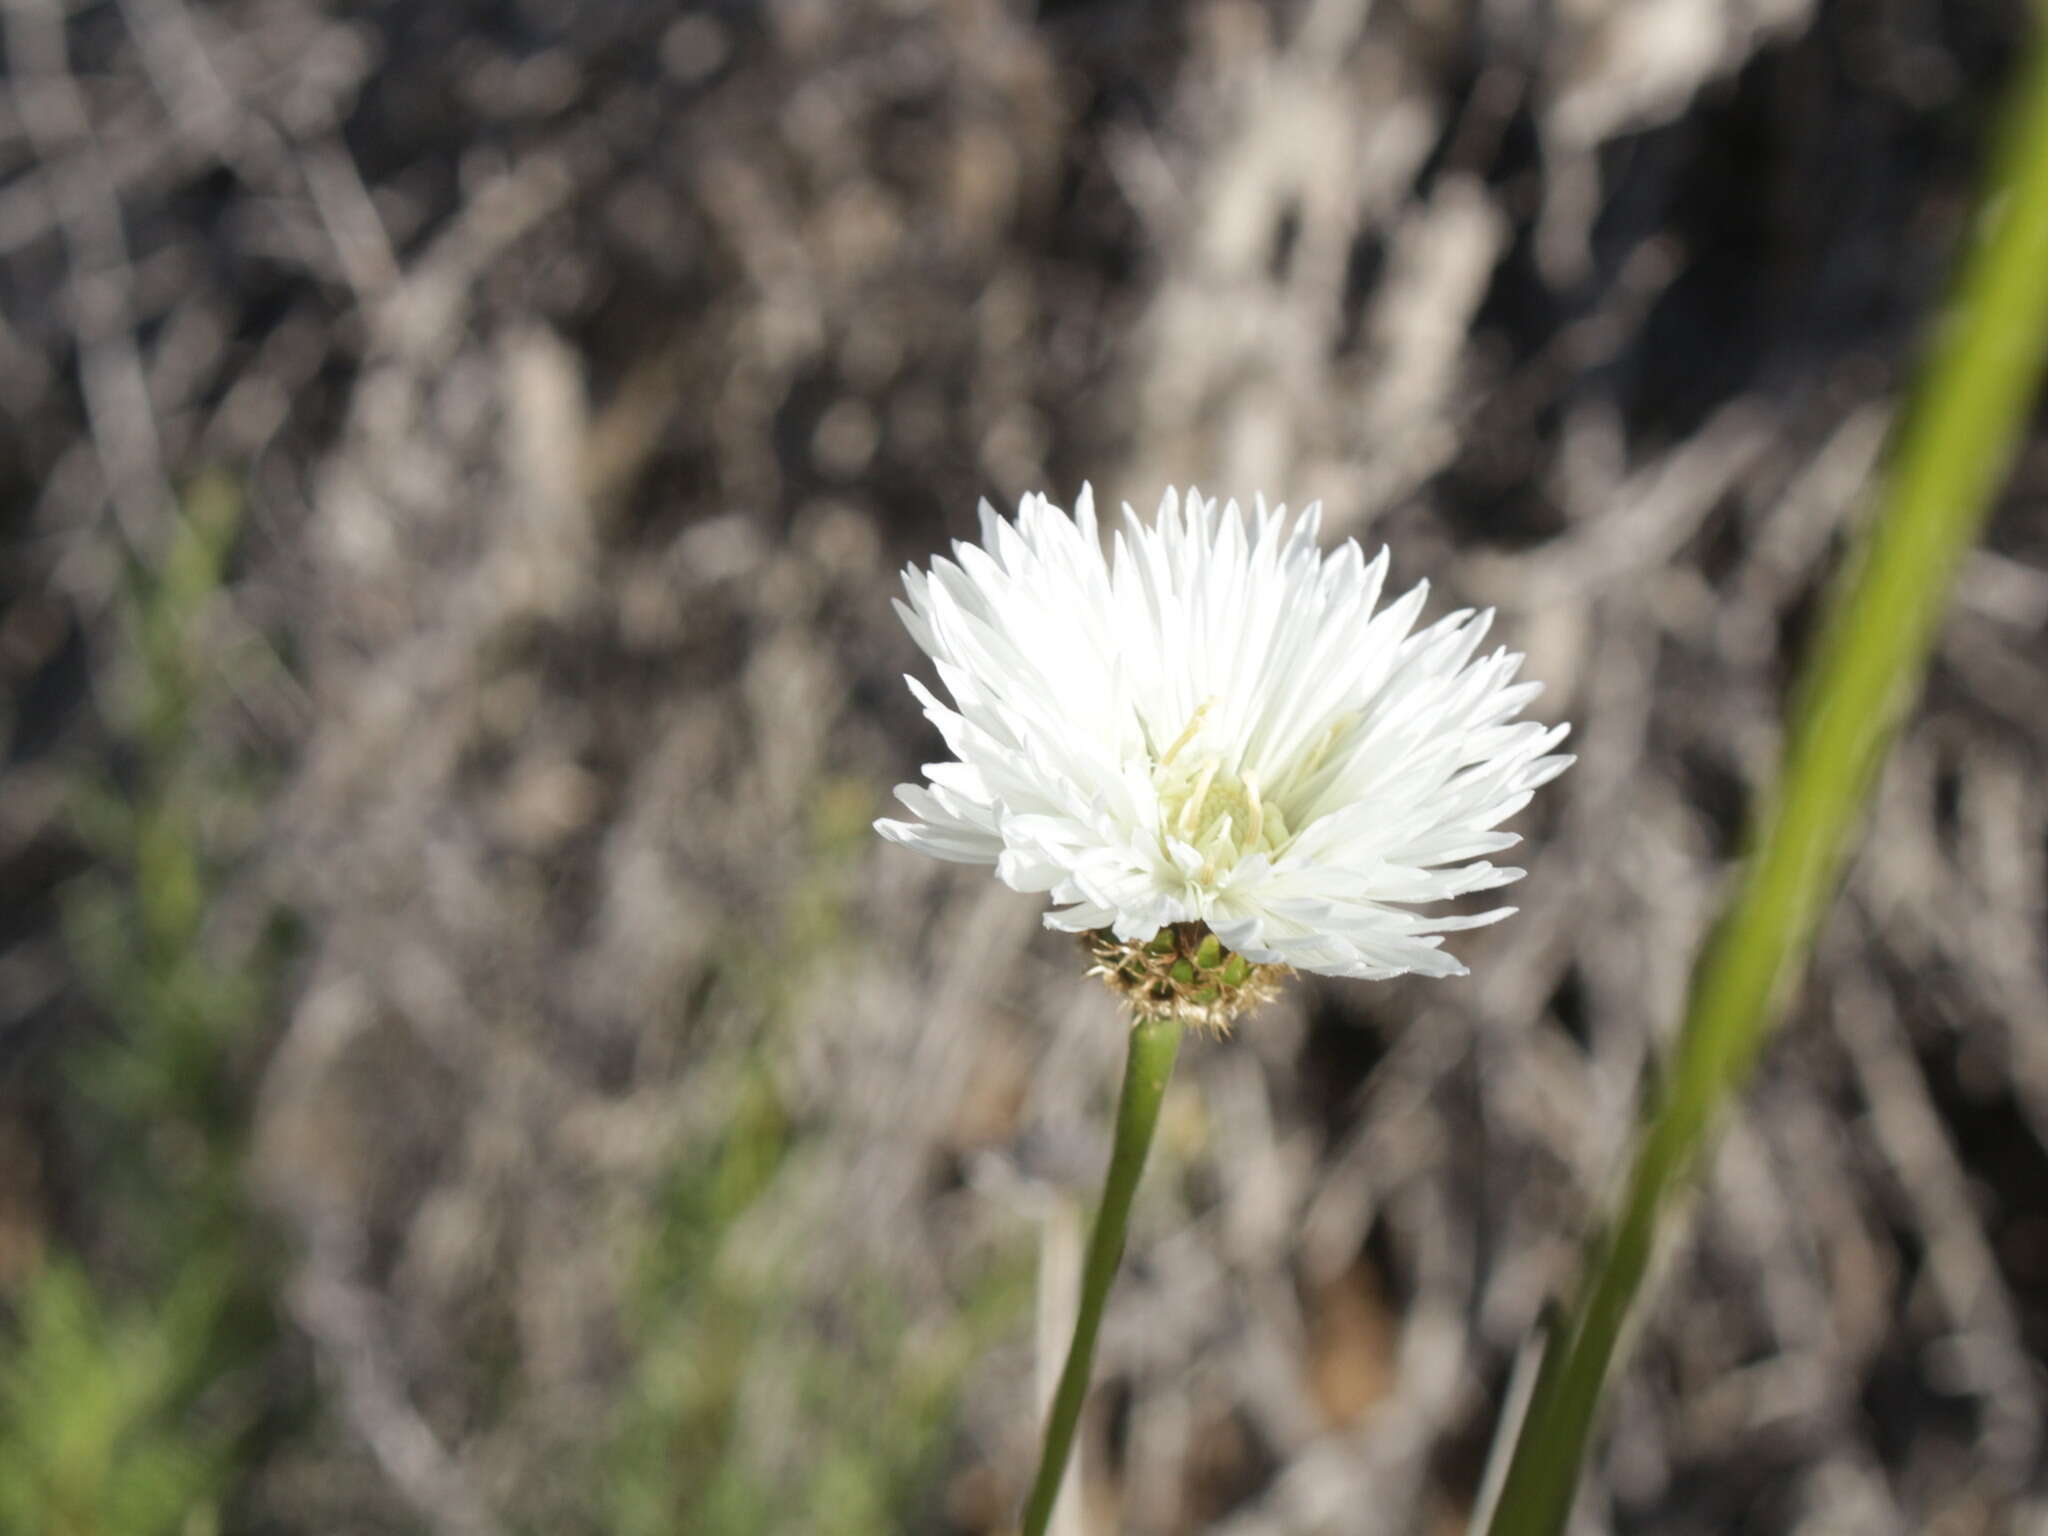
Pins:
x: 1154, y: 1045
x: 1953, y: 452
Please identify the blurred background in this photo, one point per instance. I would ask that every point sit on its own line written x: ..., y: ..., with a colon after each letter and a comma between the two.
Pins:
x: 467, y: 1067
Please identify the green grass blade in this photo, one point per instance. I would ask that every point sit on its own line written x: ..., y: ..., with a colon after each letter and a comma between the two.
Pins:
x: 1954, y: 450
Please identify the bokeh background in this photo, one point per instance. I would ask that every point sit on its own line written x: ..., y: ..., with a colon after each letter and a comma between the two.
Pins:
x: 465, y: 1064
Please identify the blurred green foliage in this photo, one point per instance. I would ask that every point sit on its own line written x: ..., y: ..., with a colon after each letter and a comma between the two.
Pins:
x: 873, y: 1393
x: 123, y: 1381
x: 91, y: 1438
x: 135, y: 1388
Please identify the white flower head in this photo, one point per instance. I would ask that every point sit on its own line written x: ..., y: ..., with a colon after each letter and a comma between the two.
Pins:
x: 1217, y: 728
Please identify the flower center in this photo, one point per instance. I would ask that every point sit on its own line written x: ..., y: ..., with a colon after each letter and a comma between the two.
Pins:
x: 1222, y: 815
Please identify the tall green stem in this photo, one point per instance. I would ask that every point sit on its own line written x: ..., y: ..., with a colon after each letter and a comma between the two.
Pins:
x: 1154, y: 1045
x: 1955, y: 449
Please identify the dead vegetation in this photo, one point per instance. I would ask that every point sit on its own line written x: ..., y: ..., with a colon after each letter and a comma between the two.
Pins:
x: 591, y: 368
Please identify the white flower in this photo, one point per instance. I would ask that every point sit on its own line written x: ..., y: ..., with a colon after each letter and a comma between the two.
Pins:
x: 1213, y: 725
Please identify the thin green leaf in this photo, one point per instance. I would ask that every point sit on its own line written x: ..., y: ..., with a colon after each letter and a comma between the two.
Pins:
x: 1953, y: 452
